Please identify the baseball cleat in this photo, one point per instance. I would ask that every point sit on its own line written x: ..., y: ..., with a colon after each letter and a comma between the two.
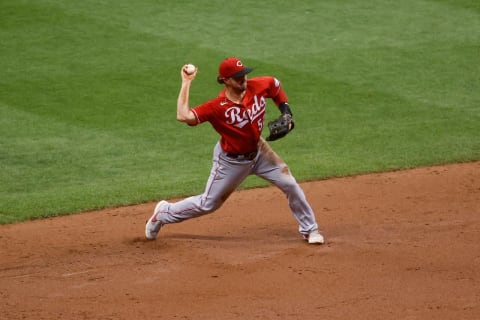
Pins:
x: 314, y: 237
x: 153, y: 225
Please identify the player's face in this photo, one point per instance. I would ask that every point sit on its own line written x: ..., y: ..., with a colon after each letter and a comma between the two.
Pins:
x: 238, y: 83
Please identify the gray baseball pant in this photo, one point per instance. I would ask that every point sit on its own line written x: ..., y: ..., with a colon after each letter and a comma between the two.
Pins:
x: 225, y: 177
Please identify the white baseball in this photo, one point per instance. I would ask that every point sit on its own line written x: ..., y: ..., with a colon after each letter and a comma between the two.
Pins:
x: 190, y: 68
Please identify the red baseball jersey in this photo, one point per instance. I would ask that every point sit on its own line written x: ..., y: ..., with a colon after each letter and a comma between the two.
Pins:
x: 240, y: 125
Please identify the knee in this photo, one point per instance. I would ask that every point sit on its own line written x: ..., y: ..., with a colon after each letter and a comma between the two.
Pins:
x: 209, y: 205
x: 291, y: 188
x: 289, y: 185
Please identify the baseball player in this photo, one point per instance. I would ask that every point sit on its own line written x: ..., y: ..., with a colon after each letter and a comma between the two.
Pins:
x: 237, y: 114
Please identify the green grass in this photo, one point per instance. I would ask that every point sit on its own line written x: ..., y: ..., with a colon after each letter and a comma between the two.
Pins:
x: 88, y: 92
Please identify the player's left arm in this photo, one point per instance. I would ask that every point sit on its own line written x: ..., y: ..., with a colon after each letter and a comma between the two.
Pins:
x: 281, y: 100
x: 278, y: 95
x: 284, y: 123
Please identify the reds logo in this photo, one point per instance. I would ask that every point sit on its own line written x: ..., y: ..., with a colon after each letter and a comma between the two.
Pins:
x: 239, y: 119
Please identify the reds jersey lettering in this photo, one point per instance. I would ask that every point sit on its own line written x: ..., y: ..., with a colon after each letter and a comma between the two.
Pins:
x: 234, y: 118
x: 239, y: 119
x: 240, y: 125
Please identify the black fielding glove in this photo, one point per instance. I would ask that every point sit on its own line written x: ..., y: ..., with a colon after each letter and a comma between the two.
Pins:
x: 280, y: 127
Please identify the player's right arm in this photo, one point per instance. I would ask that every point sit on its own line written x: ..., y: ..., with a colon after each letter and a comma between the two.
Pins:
x: 184, y: 114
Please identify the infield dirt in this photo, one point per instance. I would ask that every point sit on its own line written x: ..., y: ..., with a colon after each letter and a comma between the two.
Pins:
x: 400, y: 245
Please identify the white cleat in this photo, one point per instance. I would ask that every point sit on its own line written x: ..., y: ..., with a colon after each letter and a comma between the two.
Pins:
x: 314, y: 237
x: 153, y: 225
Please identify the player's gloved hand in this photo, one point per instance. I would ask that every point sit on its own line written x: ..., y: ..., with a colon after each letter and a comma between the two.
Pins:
x: 280, y: 127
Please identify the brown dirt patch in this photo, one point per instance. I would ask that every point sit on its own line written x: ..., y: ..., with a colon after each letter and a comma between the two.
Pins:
x: 400, y: 245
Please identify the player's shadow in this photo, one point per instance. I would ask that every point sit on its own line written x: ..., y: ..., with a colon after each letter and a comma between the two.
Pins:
x: 182, y: 236
x: 189, y: 236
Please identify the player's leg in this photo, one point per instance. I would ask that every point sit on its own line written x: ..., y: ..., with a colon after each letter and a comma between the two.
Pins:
x: 271, y: 167
x: 225, y: 177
